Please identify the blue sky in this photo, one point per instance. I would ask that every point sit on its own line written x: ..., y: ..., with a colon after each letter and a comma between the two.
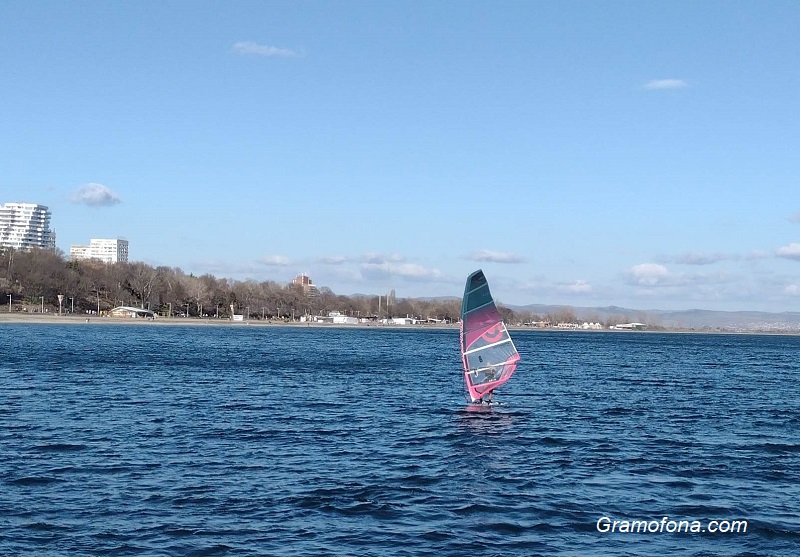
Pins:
x: 639, y: 154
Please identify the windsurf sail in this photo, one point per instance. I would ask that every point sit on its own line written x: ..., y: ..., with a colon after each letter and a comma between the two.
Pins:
x: 487, y: 351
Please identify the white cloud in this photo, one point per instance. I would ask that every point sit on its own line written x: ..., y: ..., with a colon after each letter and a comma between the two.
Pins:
x: 794, y: 218
x: 665, y: 84
x: 495, y: 257
x: 757, y: 255
x: 381, y: 259
x: 339, y: 274
x: 226, y: 269
x: 576, y: 287
x: 699, y: 258
x: 792, y: 290
x: 792, y: 251
x: 250, y: 48
x: 333, y: 259
x: 407, y: 271
x: 415, y: 271
x: 648, y: 274
x: 274, y: 260
x: 94, y: 195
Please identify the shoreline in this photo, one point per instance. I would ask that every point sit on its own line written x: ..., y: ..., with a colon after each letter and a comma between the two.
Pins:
x: 54, y: 319
x: 17, y: 318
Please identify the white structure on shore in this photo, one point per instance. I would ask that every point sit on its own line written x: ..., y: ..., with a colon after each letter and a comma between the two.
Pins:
x: 407, y: 320
x: 132, y: 312
x: 630, y: 327
x: 107, y: 251
x: 332, y: 317
x: 26, y: 226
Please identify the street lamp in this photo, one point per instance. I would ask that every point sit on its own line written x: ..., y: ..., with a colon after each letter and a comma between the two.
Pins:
x: 9, y: 303
x: 42, y: 305
x: 72, y: 304
x: 170, y: 308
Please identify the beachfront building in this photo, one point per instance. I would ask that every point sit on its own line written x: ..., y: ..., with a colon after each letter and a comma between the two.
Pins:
x: 407, y: 320
x: 630, y: 327
x: 342, y: 319
x: 131, y: 312
x: 334, y: 317
x: 26, y: 226
x: 107, y: 251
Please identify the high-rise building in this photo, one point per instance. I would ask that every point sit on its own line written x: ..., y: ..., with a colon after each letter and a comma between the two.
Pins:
x: 305, y: 281
x: 26, y: 226
x: 107, y: 251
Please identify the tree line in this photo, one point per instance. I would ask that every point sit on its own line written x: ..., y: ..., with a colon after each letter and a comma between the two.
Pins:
x: 32, y: 279
x: 35, y: 278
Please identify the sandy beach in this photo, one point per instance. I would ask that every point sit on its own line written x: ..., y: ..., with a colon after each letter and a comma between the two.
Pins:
x: 55, y: 319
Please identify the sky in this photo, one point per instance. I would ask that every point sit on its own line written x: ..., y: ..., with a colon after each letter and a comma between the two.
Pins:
x: 636, y: 154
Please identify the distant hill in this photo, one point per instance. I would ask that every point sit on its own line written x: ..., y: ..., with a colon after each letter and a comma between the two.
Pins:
x: 682, y: 319
x: 691, y: 319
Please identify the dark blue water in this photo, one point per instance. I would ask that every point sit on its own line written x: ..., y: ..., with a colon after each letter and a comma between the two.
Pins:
x: 168, y: 440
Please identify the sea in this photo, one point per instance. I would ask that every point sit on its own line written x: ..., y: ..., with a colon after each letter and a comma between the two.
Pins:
x: 292, y: 441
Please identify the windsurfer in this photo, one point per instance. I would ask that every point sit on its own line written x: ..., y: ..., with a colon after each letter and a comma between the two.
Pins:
x: 488, y: 354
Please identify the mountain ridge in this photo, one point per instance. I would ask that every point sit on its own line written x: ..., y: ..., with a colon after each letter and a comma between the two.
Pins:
x: 682, y: 319
x: 739, y: 320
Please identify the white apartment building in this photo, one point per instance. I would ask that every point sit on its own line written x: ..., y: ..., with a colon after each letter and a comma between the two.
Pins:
x: 107, y: 251
x: 77, y: 252
x: 26, y: 226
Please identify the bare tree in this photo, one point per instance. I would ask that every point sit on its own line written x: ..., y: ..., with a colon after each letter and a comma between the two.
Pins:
x: 96, y: 285
x: 197, y: 292
x: 142, y: 279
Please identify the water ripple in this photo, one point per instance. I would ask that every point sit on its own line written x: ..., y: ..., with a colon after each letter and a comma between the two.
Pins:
x: 120, y: 440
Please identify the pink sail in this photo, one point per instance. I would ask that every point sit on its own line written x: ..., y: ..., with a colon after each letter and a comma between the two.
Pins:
x: 487, y: 351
